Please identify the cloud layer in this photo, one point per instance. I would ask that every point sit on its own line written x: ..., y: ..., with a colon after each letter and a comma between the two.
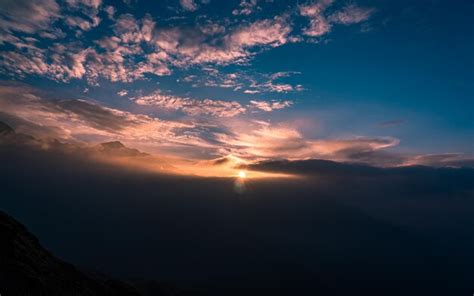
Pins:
x: 45, y: 38
x: 226, y: 136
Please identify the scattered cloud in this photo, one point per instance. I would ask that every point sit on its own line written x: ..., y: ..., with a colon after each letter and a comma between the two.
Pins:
x: 136, y: 48
x: 189, y: 5
x: 28, y: 16
x: 246, y: 82
x: 351, y: 14
x: 122, y: 93
x: 270, y: 106
x: 110, y: 10
x: 320, y: 23
x: 246, y: 7
x: 442, y: 160
x: 190, y: 106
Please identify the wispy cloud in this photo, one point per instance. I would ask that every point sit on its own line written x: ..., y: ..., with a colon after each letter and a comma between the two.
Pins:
x: 351, y: 14
x: 190, y: 106
x: 246, y: 82
x: 441, y: 160
x: 281, y: 141
x: 320, y: 23
x: 270, y: 106
x: 189, y: 5
x: 122, y: 93
x: 28, y: 16
x: 246, y: 7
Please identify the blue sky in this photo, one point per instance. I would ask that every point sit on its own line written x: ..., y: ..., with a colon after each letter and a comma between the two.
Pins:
x: 248, y: 78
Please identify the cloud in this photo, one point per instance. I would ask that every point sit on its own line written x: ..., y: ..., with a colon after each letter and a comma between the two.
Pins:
x: 442, y: 160
x: 115, y: 59
x: 110, y: 10
x: 190, y: 106
x: 32, y: 111
x: 258, y: 141
x: 320, y: 23
x: 246, y: 7
x: 122, y: 93
x: 129, y: 30
x: 28, y: 16
x: 270, y: 32
x: 351, y: 14
x: 189, y: 5
x: 84, y: 14
x: 247, y: 82
x: 84, y: 121
x: 136, y: 48
x: 83, y: 24
x: 193, y: 46
x: 87, y: 3
x: 120, y: 56
x: 270, y: 106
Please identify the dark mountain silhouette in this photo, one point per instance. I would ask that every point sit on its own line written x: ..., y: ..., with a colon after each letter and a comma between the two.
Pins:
x: 333, y: 168
x: 116, y: 148
x: 5, y: 129
x: 112, y: 152
x: 29, y: 269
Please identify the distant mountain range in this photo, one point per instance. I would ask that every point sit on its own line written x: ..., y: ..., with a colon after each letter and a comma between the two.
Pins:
x: 114, y: 152
x: 5, y: 129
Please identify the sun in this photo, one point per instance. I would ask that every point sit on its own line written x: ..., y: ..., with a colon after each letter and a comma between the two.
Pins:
x: 242, y: 174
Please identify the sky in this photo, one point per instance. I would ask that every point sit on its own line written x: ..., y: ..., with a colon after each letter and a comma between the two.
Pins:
x: 386, y: 83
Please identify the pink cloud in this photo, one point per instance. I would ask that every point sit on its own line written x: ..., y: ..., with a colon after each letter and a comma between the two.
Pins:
x: 28, y: 16
x: 270, y: 106
x: 189, y: 5
x: 318, y: 25
x: 263, y: 141
x: 28, y: 111
x: 190, y: 106
x: 192, y: 46
x: 138, y: 47
x: 351, y: 14
x: 246, y: 7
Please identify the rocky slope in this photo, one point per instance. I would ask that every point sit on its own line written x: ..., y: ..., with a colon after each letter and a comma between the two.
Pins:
x: 26, y: 268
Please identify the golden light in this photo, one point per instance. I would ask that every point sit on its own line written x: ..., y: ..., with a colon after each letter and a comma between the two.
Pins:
x: 242, y: 175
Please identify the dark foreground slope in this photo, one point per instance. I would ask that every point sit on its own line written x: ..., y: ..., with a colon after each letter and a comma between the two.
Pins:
x: 26, y: 268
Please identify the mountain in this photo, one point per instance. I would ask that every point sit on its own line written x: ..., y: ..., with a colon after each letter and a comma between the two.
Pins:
x: 5, y: 129
x: 116, y: 148
x: 29, y: 269
x: 113, y: 152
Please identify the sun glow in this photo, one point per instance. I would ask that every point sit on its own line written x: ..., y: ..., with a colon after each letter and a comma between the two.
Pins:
x: 242, y: 174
